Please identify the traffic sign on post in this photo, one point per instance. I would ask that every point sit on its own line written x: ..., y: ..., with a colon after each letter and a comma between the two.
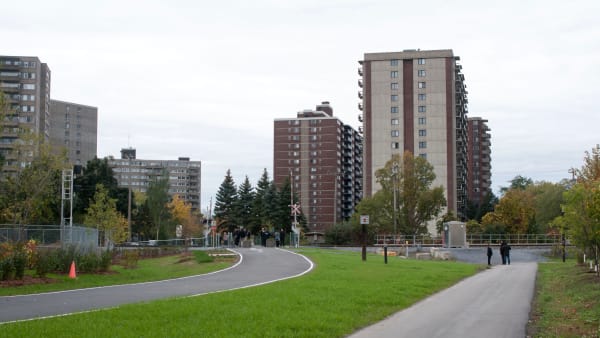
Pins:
x: 364, y: 219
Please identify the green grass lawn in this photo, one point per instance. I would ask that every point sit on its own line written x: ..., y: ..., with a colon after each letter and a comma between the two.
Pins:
x: 340, y: 296
x: 148, y: 270
x: 567, y: 301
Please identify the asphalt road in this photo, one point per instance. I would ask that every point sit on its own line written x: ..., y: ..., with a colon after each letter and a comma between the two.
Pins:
x: 493, y: 303
x: 257, y: 266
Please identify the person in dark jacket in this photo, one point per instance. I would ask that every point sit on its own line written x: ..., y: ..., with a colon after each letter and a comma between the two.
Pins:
x: 503, y: 252
x: 507, y: 252
x: 489, y: 254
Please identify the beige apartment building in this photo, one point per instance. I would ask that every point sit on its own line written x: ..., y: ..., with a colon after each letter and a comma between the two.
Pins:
x: 417, y: 101
x: 184, y: 175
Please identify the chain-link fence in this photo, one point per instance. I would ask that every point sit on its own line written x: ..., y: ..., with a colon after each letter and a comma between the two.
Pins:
x: 50, y: 235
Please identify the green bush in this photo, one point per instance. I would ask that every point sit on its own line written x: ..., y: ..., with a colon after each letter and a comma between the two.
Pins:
x: 202, y: 257
x: 131, y: 258
x: 45, y: 262
x: 19, y: 261
x: 105, y: 260
x: 8, y: 268
x: 88, y: 262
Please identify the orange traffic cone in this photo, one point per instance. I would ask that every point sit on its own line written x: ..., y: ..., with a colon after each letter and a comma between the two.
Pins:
x: 72, y: 273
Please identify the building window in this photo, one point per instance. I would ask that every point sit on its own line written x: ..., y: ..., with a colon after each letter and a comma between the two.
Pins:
x: 422, y: 120
x: 423, y: 156
x: 422, y: 132
x: 422, y: 145
x: 422, y: 109
x: 394, y: 110
x: 394, y: 74
x: 394, y: 98
x: 395, y: 133
x: 395, y: 122
x: 395, y: 145
x: 422, y: 97
x: 394, y: 85
x: 421, y: 73
x: 422, y: 85
x: 393, y: 62
x: 421, y: 61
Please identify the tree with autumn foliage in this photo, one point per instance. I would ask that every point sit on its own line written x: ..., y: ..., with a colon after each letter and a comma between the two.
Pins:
x: 181, y: 214
x: 581, y: 209
x: 103, y: 215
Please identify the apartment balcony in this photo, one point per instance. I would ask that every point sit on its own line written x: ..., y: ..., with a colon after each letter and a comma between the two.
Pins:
x: 360, y: 130
x: 360, y: 106
x: 360, y: 117
x: 360, y: 83
x: 360, y: 94
x: 360, y: 71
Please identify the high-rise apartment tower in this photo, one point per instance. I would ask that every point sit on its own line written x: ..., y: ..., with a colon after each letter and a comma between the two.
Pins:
x: 417, y: 101
x: 25, y: 83
x: 323, y: 159
x: 74, y: 127
x: 480, y: 168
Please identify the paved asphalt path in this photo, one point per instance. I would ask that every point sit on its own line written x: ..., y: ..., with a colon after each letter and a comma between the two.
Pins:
x: 257, y: 266
x: 493, y: 303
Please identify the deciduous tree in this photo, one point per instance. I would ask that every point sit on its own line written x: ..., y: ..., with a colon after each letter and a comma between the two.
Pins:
x: 102, y: 214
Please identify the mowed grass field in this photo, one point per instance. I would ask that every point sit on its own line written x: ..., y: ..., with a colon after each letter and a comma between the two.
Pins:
x: 341, y: 295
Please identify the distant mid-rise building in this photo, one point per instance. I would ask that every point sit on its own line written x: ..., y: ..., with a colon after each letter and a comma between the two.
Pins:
x: 323, y: 159
x: 184, y: 175
x: 416, y: 101
x: 74, y: 127
x: 25, y: 83
x: 479, y: 163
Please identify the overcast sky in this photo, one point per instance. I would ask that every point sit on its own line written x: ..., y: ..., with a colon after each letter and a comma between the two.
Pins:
x: 206, y: 79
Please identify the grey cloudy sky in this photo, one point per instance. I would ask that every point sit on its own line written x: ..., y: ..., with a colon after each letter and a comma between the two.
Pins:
x: 205, y: 79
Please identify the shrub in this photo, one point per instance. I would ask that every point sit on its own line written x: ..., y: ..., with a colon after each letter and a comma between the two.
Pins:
x: 45, y: 262
x: 88, y: 262
x: 19, y: 262
x: 131, y: 259
x: 105, y: 260
x: 8, y: 268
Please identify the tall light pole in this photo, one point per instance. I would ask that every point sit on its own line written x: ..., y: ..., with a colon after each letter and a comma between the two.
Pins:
x: 394, y: 183
x: 129, y: 199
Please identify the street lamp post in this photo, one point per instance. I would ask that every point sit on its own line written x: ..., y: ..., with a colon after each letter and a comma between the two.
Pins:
x: 129, y: 200
x: 394, y: 183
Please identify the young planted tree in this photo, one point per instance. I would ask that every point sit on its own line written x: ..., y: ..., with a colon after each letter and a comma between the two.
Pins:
x: 157, y: 197
x: 181, y: 214
x: 102, y: 214
x: 225, y: 203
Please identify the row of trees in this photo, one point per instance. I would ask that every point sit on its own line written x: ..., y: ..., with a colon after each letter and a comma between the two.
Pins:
x: 267, y: 205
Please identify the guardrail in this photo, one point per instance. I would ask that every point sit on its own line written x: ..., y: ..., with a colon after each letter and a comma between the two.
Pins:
x: 472, y: 239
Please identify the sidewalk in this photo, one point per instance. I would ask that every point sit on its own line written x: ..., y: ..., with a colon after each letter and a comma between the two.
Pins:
x: 493, y: 303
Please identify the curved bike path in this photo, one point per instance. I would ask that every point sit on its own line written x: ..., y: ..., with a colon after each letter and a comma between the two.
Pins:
x: 257, y: 266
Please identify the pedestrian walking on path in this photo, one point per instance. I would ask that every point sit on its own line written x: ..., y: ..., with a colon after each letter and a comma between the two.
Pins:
x: 489, y: 254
